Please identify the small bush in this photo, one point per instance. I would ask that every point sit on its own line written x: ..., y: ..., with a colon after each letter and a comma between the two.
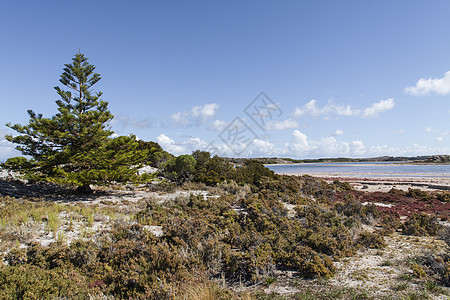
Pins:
x: 418, y: 271
x: 371, y: 240
x: 342, y: 185
x: 418, y: 194
x: 390, y: 224
x: 421, y: 225
x: 444, y: 197
x: 444, y: 234
x: 437, y: 266
x: 31, y: 282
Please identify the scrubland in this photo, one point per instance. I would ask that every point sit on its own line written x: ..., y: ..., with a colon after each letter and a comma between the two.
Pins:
x: 277, y: 237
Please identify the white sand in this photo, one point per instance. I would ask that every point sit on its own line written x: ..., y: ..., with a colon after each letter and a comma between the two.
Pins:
x: 386, y: 183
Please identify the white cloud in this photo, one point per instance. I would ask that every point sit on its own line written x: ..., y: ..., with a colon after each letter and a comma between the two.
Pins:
x: 299, y: 142
x: 217, y: 125
x: 311, y: 108
x: 428, y: 129
x: 357, y: 148
x: 205, y: 111
x: 302, y: 147
x: 264, y: 147
x: 329, y: 147
x: 169, y: 145
x: 193, y: 143
x: 196, y: 116
x: 440, y: 86
x: 282, y: 125
x: 339, y: 132
x: 184, y: 147
x: 439, y: 139
x: 378, y: 107
x: 7, y: 150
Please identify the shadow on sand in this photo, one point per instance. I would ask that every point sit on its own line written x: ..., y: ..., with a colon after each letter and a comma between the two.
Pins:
x: 46, y: 191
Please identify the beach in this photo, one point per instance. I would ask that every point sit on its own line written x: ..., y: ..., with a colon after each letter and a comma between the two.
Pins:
x: 384, y: 183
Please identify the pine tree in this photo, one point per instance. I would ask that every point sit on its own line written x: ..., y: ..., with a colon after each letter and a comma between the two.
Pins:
x: 73, y: 145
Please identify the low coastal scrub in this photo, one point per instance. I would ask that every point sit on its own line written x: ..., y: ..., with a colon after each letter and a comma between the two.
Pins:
x: 243, y: 236
x: 251, y: 227
x: 421, y: 224
x: 435, y: 267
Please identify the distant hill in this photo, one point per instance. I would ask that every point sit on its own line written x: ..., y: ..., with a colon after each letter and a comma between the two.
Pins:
x: 439, y: 159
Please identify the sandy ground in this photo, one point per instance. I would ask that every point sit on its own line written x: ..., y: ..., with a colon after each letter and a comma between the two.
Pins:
x: 386, y: 183
x: 382, y: 273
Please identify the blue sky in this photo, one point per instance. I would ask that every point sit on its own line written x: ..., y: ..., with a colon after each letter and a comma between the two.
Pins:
x: 340, y: 78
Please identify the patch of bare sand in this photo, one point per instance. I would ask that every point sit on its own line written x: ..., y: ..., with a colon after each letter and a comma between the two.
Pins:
x: 380, y: 274
x: 383, y: 271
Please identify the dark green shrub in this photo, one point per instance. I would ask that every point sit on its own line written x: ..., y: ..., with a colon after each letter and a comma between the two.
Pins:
x: 371, y: 240
x: 437, y: 266
x: 16, y: 257
x: 421, y: 224
x: 395, y: 191
x: 342, y: 185
x: 354, y: 208
x: 32, y: 282
x: 390, y: 224
x: 308, y: 263
x: 444, y: 234
x: 444, y: 197
x: 211, y: 170
x: 179, y: 169
x: 253, y: 172
x: 418, y: 194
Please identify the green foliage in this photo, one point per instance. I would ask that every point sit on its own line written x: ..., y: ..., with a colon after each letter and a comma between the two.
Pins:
x: 156, y: 155
x: 32, y: 282
x: 418, y: 194
x: 239, y: 237
x: 342, y: 186
x: 390, y: 224
x: 418, y: 271
x: 435, y: 266
x: 309, y: 263
x: 421, y: 224
x: 18, y: 164
x: 371, y: 240
x: 210, y: 170
x: 73, y: 145
x: 444, y: 196
x: 246, y: 239
x: 354, y: 208
x: 252, y: 173
x: 179, y: 169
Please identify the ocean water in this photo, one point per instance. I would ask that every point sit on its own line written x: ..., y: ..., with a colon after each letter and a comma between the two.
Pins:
x: 361, y: 169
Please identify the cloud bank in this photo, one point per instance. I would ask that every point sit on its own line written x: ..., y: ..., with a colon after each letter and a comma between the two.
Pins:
x: 196, y: 116
x: 311, y: 108
x: 423, y: 87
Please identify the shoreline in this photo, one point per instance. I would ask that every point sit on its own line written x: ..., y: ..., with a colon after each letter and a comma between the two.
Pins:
x: 384, y: 183
x: 359, y: 163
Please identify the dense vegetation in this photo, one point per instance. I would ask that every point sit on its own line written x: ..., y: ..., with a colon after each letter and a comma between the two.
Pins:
x: 241, y: 236
x: 250, y: 226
